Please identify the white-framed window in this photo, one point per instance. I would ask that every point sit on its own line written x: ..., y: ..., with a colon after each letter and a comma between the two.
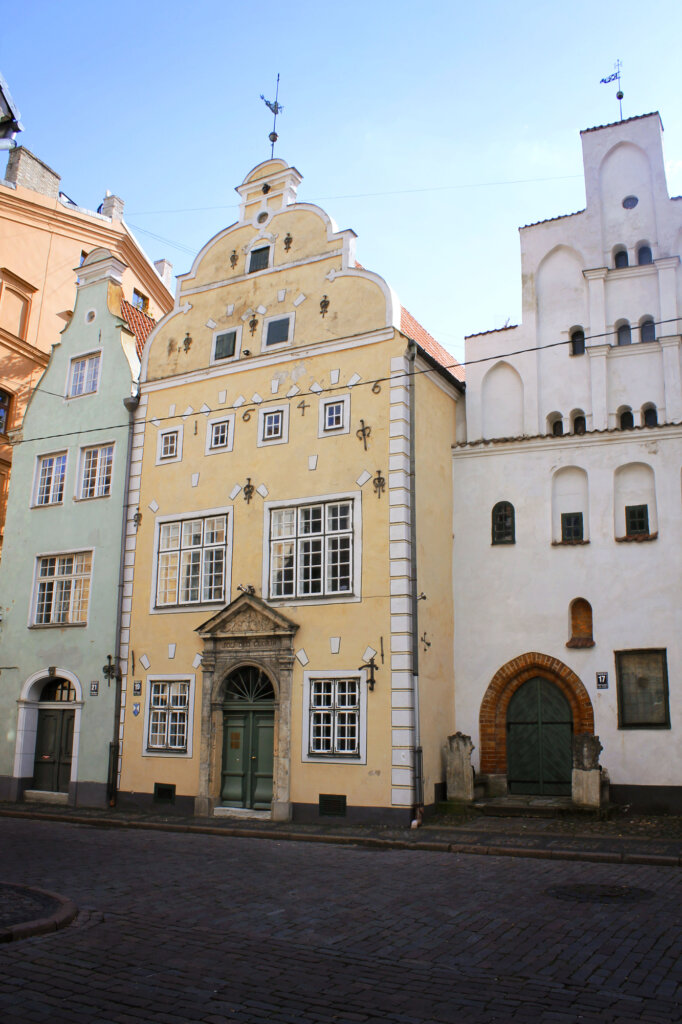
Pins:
x: 259, y: 257
x: 220, y: 435
x: 62, y: 589
x: 335, y: 717
x: 277, y: 330
x: 273, y: 425
x: 84, y: 375
x: 312, y: 549
x: 50, y: 476
x: 191, y: 561
x: 169, y: 713
x: 169, y: 445
x: 96, y: 471
x: 226, y: 344
x: 334, y: 415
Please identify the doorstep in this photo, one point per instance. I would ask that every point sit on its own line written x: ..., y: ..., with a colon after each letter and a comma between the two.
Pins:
x: 241, y: 812
x: 44, y: 796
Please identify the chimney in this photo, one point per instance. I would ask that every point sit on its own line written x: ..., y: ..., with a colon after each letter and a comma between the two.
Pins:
x: 165, y: 271
x: 26, y: 170
x: 112, y: 206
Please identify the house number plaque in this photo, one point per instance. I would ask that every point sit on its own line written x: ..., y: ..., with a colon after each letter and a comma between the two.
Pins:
x: 602, y: 680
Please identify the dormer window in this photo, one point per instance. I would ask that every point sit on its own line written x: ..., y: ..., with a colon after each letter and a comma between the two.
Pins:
x: 644, y: 255
x: 259, y: 259
x: 620, y: 259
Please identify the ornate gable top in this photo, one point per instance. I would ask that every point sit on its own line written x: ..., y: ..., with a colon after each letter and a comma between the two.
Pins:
x: 247, y: 615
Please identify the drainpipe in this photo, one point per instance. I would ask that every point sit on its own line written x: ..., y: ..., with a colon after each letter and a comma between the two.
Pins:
x: 418, y: 756
x: 131, y: 403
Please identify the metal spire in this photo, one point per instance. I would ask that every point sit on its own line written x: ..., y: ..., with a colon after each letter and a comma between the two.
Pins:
x: 615, y: 77
x: 276, y: 109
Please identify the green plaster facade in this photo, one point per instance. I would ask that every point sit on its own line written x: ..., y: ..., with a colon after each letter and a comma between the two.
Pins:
x: 60, y: 572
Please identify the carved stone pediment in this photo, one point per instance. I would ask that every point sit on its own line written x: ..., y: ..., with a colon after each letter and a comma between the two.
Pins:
x: 247, y: 616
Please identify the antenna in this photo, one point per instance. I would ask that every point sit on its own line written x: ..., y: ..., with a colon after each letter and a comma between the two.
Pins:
x: 276, y: 109
x: 615, y: 77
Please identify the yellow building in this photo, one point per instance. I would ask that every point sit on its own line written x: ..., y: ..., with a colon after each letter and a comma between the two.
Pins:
x: 287, y: 632
x: 43, y: 238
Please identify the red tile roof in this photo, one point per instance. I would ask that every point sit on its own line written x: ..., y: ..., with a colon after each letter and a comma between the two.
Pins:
x: 139, y: 323
x: 413, y: 329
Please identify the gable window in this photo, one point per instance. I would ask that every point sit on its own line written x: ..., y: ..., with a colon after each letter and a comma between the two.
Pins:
x: 224, y: 345
x: 311, y: 550
x: 624, y: 334
x: 647, y: 330
x: 192, y: 555
x: 169, y: 445
x: 503, y: 527
x: 644, y: 255
x: 642, y: 682
x: 278, y: 330
x: 571, y: 527
x: 259, y: 259
x: 578, y: 342
x: 63, y: 589
x: 620, y: 259
x: 84, y: 375
x: 334, y: 416
x: 140, y: 301
x: 50, y: 479
x: 636, y: 520
x: 168, y: 717
x: 96, y: 471
x: 5, y: 401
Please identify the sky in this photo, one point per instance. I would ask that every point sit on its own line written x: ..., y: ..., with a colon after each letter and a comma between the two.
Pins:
x: 433, y: 130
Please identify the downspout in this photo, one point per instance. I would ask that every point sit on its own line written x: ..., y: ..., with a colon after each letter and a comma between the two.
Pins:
x: 418, y: 754
x: 131, y: 403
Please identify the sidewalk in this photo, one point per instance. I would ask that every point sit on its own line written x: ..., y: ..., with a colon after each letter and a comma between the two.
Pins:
x: 623, y: 839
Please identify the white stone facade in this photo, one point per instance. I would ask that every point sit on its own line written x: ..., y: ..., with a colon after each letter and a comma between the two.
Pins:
x: 574, y: 419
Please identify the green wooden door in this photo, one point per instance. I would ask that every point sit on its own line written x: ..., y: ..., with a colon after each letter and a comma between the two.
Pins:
x: 54, y: 746
x: 539, y: 732
x: 248, y: 740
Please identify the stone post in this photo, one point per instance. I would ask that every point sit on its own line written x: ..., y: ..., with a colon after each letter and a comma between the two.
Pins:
x: 459, y: 773
x: 586, y: 782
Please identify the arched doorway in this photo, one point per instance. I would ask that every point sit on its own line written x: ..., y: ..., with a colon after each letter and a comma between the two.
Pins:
x: 539, y: 734
x: 248, y: 739
x: 54, y: 736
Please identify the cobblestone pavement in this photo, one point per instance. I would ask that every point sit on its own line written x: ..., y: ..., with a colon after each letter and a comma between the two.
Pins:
x: 180, y: 928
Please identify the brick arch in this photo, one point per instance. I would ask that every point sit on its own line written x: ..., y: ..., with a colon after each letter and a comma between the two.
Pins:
x: 503, y: 686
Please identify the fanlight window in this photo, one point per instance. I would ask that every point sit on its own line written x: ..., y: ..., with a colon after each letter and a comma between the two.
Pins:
x: 248, y: 684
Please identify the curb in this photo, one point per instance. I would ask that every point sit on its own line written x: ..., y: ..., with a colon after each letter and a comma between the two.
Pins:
x: 368, y: 842
x: 63, y: 916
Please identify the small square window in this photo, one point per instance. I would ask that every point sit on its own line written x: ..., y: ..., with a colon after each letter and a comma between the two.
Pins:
x: 273, y: 426
x: 642, y: 681
x: 225, y: 345
x: 220, y: 435
x: 169, y: 445
x: 636, y: 520
x: 334, y: 415
x: 277, y: 331
x: 140, y: 301
x: 571, y: 527
x: 259, y: 259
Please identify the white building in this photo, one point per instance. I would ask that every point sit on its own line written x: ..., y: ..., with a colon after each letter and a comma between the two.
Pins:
x: 568, y: 517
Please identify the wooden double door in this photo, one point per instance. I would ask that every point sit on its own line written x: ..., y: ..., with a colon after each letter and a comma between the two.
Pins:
x: 539, y: 740
x: 248, y: 740
x: 54, y: 750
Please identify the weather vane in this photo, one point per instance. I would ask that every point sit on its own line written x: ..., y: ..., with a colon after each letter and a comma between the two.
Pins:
x: 276, y: 109
x: 615, y: 77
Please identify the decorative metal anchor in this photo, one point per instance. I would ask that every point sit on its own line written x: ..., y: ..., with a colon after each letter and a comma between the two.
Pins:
x: 379, y: 484
x: 111, y: 670
x: 248, y: 490
x: 363, y: 433
x: 372, y: 667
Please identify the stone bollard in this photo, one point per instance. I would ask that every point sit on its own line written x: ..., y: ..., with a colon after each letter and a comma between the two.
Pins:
x: 586, y: 788
x: 459, y: 773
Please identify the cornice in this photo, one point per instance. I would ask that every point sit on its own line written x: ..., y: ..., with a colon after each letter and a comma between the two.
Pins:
x: 568, y: 442
x: 24, y: 348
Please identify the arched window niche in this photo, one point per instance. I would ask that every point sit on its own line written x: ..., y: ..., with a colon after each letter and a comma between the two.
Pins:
x: 647, y: 329
x: 635, y: 517
x: 580, y: 624
x: 626, y: 421
x: 555, y: 424
x: 649, y: 415
x: 644, y: 254
x: 578, y: 422
x: 502, y: 402
x: 570, y: 509
x: 620, y: 258
x: 624, y: 333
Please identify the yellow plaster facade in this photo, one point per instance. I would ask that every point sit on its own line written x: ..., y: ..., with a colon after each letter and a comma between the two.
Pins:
x: 289, y: 437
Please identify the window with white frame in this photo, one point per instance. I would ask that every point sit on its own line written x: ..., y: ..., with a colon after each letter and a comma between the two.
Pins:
x: 220, y: 435
x: 311, y: 550
x: 96, y: 469
x: 273, y: 425
x: 334, y: 415
x: 278, y: 330
x: 226, y: 344
x: 50, y: 479
x: 168, y: 716
x: 191, y: 561
x: 335, y: 716
x: 259, y: 259
x: 169, y: 445
x: 62, y: 589
x: 84, y: 375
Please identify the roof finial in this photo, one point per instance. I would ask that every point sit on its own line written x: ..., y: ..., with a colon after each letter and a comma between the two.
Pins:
x: 615, y: 77
x: 276, y: 109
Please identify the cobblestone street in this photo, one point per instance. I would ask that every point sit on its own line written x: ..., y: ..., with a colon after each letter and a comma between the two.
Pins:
x: 175, y: 928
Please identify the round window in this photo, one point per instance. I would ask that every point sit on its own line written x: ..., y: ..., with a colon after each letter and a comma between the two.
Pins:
x: 90, y: 316
x: 630, y: 202
x: 261, y: 218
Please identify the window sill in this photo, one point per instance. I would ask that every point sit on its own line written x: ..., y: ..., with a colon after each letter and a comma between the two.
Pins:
x: 49, y: 504
x: 637, y: 538
x: 58, y: 625
x: 95, y: 497
x: 657, y: 725
x: 502, y: 543
x: 578, y: 642
x: 568, y: 543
